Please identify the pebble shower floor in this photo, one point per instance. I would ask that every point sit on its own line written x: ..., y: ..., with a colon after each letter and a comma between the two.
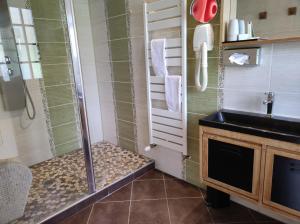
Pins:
x: 60, y: 182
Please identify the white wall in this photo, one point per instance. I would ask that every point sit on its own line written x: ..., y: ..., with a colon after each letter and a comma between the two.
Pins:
x: 103, y: 70
x: 21, y: 137
x: 244, y: 87
x: 88, y: 67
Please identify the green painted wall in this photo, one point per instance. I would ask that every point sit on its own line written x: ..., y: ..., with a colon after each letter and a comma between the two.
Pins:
x: 58, y: 82
x: 200, y: 104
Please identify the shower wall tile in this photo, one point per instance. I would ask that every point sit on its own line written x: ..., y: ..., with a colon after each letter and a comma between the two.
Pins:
x: 193, y: 125
x: 46, y: 9
x: 126, y: 130
x: 65, y: 133
x: 49, y: 30
x: 119, y: 50
x: 58, y: 95
x: 49, y: 19
x: 117, y: 27
x: 121, y: 71
x: 68, y: 147
x: 62, y: 114
x: 123, y: 92
x: 127, y: 144
x: 56, y: 74
x: 125, y: 111
x: 115, y: 8
x: 193, y: 173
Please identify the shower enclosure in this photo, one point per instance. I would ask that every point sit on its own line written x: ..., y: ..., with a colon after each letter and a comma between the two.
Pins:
x: 51, y: 121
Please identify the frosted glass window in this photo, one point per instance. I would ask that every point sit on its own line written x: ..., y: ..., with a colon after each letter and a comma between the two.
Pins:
x: 27, y: 17
x: 15, y: 15
x: 22, y: 52
x: 25, y: 68
x: 30, y: 34
x: 4, y: 73
x: 19, y: 34
x: 2, y: 59
x: 34, y: 53
x: 37, y: 70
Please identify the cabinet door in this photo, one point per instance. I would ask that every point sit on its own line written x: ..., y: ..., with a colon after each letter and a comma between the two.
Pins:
x: 282, y: 181
x: 231, y: 165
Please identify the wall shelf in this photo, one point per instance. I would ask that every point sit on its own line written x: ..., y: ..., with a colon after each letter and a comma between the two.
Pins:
x: 257, y: 43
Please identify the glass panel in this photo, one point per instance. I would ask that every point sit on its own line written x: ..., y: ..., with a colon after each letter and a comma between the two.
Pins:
x: 19, y: 34
x: 2, y: 60
x: 4, y: 73
x: 15, y: 15
x: 22, y: 52
x: 26, y: 73
x: 30, y: 34
x: 34, y: 53
x: 37, y: 70
x: 27, y: 17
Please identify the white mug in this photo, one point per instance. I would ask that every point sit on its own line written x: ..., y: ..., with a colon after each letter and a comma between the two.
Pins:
x: 233, y: 30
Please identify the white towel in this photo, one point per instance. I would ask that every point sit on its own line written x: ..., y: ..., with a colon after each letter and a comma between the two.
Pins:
x: 173, y: 92
x: 158, y: 55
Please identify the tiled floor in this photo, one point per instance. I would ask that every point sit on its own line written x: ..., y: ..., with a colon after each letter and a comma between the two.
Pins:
x: 156, y: 198
x: 61, y: 181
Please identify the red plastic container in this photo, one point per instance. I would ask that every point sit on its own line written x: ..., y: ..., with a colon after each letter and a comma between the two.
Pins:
x: 204, y: 10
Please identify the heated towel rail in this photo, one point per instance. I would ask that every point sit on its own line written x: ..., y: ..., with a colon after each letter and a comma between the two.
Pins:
x: 166, y: 19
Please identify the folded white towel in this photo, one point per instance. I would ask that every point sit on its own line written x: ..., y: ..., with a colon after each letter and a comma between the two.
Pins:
x: 173, y: 92
x: 158, y: 55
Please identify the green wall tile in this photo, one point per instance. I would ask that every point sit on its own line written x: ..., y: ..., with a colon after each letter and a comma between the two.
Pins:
x: 65, y: 133
x: 121, y: 71
x: 56, y: 74
x: 49, y: 9
x: 212, y: 72
x: 126, y: 130
x: 125, y: 111
x: 58, y: 95
x: 53, y: 53
x: 193, y: 173
x: 68, y: 147
x: 123, y: 92
x: 193, y: 149
x: 117, y: 27
x: 62, y: 114
x: 49, y: 31
x: 115, y: 7
x: 126, y: 144
x: 202, y: 102
x: 119, y: 50
x: 193, y: 125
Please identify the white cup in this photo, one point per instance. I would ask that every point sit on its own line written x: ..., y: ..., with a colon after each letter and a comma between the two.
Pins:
x: 233, y: 30
x: 242, y: 27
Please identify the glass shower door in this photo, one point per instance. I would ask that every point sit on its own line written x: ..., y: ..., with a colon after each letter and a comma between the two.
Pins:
x: 40, y: 122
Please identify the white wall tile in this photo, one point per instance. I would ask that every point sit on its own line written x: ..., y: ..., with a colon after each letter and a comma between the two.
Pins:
x: 287, y: 105
x: 244, y: 101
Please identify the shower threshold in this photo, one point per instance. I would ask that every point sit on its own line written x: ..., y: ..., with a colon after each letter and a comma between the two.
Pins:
x: 59, y: 186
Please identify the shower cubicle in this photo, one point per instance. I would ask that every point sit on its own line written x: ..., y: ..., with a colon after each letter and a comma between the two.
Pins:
x: 50, y: 98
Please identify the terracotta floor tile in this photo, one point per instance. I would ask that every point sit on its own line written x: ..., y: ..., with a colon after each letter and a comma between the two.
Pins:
x: 148, y: 189
x: 234, y: 213
x: 122, y: 194
x: 80, y: 217
x: 181, y: 189
x: 189, y: 211
x: 149, y: 212
x: 152, y: 175
x: 110, y: 213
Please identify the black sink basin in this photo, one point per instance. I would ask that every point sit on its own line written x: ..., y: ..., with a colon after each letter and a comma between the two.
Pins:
x: 256, y: 124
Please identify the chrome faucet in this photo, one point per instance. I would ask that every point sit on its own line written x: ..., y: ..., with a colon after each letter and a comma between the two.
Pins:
x: 269, y: 102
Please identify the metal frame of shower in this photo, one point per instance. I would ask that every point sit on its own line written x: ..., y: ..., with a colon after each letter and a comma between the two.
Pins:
x: 75, y: 53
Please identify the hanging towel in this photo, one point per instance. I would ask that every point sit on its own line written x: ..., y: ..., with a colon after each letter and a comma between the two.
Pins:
x: 173, y: 92
x: 158, y: 55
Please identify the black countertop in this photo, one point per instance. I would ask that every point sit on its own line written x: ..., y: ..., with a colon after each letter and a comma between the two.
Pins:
x: 278, y: 128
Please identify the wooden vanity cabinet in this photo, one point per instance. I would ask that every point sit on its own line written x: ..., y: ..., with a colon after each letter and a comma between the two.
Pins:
x: 275, y: 171
x: 282, y: 181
